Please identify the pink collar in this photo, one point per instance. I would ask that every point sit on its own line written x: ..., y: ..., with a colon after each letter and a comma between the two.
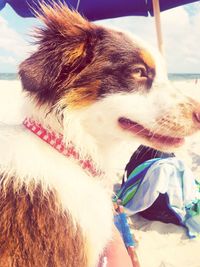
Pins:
x: 56, y: 141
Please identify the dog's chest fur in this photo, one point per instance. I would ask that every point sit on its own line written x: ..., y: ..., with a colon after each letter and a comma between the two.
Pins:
x: 52, y: 212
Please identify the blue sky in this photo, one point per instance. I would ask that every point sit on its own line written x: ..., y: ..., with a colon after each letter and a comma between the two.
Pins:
x: 181, y: 32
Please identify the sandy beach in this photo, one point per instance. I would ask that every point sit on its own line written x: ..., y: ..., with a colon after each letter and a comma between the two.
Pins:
x: 158, y: 244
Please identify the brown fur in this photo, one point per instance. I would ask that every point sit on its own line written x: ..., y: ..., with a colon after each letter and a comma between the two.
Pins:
x: 65, y: 48
x: 34, y: 231
x: 80, y: 97
x: 148, y: 59
x: 74, y: 54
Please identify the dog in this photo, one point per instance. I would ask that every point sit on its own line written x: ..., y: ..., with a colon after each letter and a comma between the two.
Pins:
x: 88, y: 90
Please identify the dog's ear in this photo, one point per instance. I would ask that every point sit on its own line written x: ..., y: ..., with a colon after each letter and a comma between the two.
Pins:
x: 65, y: 47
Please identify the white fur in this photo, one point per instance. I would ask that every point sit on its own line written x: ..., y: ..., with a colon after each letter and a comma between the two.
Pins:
x: 11, y: 102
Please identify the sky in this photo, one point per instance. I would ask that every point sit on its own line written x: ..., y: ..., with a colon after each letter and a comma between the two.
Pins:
x: 180, y: 27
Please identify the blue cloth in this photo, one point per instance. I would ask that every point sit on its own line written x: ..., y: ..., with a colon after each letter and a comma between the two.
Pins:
x: 168, y: 177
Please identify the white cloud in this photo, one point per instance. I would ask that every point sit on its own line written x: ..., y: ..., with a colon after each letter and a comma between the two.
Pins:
x: 10, y: 40
x: 181, y: 34
x: 13, y: 47
x: 182, y: 39
x: 7, y: 60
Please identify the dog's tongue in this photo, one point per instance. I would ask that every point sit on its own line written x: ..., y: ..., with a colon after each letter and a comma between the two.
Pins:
x: 139, y: 130
x: 134, y: 127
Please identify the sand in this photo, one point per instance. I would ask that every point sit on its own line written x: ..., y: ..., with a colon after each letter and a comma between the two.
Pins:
x: 158, y: 244
x: 164, y: 245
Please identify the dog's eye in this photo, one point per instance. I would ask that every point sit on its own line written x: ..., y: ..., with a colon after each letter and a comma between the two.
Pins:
x: 139, y: 72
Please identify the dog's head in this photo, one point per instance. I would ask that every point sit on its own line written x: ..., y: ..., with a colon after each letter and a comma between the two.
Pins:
x: 114, y: 85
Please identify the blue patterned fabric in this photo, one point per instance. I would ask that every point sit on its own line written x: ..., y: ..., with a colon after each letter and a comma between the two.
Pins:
x: 165, y: 190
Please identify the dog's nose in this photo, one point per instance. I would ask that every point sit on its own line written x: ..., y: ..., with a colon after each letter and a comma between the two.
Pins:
x: 196, y: 116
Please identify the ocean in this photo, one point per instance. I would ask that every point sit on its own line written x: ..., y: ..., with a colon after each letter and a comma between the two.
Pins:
x: 183, y: 76
x: 8, y: 76
x: 172, y: 76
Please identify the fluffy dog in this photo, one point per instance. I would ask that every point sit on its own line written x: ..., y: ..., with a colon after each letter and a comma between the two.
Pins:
x: 88, y: 90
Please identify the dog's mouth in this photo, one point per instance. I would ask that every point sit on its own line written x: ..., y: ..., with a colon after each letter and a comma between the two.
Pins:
x: 139, y: 130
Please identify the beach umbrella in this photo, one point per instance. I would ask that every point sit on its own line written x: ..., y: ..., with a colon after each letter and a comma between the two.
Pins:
x: 102, y: 9
x: 98, y: 9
